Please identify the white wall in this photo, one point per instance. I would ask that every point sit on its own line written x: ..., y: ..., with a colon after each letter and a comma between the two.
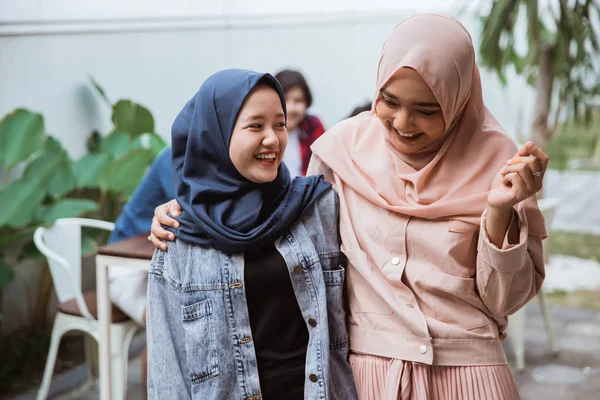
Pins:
x: 47, y: 53
x: 76, y: 10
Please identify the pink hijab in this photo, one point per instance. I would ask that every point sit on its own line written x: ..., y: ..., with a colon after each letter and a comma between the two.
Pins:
x: 451, y: 179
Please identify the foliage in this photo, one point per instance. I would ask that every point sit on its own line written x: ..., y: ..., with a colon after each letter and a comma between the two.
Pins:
x: 560, y: 57
x: 53, y: 186
x: 575, y: 140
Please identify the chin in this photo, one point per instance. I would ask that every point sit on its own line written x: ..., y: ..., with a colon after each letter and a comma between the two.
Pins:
x: 293, y: 125
x: 264, y: 177
x: 404, y: 148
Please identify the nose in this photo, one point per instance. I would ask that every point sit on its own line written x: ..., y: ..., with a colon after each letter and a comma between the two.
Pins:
x: 402, y: 120
x: 270, y: 139
x: 292, y: 107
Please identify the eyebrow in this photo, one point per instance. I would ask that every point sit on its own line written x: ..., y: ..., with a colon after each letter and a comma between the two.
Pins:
x: 253, y: 117
x: 259, y: 116
x: 420, y: 104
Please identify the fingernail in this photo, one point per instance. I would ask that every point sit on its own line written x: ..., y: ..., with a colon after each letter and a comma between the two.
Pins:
x: 176, y: 213
x: 171, y: 236
x: 163, y: 247
x: 176, y: 225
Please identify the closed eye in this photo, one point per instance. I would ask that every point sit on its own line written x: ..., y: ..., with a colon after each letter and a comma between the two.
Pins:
x: 428, y: 113
x: 389, y: 102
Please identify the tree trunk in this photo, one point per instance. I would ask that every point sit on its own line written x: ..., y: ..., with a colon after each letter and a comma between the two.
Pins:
x: 540, y: 131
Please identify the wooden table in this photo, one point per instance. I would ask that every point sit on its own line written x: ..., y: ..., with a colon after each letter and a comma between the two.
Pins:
x: 135, y: 252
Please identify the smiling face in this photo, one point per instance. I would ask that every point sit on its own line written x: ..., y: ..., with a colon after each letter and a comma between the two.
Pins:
x: 296, y: 105
x: 410, y: 112
x: 259, y: 137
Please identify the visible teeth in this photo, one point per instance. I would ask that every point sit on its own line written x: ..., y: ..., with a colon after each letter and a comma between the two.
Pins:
x: 408, y: 136
x: 266, y: 157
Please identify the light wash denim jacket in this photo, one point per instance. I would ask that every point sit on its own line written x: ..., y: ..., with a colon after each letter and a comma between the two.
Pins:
x: 199, y: 339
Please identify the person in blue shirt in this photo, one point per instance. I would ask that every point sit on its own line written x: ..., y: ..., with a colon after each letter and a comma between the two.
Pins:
x: 155, y: 188
x: 127, y: 287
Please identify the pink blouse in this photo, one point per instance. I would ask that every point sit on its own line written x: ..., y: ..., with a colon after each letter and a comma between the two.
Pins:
x: 436, y: 292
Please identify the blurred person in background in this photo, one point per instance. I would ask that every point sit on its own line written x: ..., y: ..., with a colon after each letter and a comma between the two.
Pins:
x: 303, y: 128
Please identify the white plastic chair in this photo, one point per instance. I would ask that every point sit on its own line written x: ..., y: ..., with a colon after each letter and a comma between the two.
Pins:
x: 61, y: 244
x: 516, y: 322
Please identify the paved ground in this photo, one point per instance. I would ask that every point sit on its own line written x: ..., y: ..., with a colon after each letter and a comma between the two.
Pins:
x: 573, y: 375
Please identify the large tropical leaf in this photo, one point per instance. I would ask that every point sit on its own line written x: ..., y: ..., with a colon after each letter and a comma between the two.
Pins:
x: 20, y: 201
x: 132, y: 118
x: 43, y: 168
x: 21, y: 135
x: 151, y: 141
x: 63, y: 181
x: 65, y: 208
x: 89, y: 168
x: 116, y: 144
x: 124, y: 174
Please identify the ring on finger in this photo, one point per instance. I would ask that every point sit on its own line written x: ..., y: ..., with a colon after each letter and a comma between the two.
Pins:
x: 538, y: 173
x: 150, y: 237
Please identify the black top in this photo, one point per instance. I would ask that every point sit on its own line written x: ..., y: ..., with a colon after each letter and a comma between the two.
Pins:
x: 278, y: 329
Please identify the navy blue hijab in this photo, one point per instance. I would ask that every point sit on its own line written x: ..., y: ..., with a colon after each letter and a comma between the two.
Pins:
x: 221, y: 208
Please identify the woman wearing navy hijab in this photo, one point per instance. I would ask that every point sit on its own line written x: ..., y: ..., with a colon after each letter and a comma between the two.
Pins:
x: 247, y: 302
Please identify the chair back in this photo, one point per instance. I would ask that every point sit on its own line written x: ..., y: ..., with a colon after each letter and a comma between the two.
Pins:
x: 61, y: 244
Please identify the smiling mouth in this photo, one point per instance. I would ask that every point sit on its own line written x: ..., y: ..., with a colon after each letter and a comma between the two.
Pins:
x: 266, y: 158
x: 408, y: 136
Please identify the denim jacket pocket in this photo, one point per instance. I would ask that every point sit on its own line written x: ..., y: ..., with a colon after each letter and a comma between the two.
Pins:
x: 336, y: 308
x: 200, y: 341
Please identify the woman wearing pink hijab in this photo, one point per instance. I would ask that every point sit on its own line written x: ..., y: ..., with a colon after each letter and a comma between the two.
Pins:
x: 439, y: 221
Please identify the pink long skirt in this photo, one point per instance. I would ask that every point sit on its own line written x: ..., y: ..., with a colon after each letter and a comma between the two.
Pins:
x: 379, y: 378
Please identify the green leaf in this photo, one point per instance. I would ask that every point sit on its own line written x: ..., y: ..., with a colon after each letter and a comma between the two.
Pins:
x: 132, y: 118
x: 63, y: 181
x: 151, y: 141
x: 100, y: 90
x: 498, y: 27
x: 89, y: 168
x: 116, y: 144
x: 21, y: 135
x: 518, y: 62
x: 6, y: 274
x: 124, y: 174
x: 44, y: 166
x: 93, y: 142
x: 66, y: 208
x: 20, y: 201
x: 88, y: 246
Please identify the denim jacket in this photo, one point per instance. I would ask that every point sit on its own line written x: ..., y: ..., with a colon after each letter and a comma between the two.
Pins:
x: 199, y: 339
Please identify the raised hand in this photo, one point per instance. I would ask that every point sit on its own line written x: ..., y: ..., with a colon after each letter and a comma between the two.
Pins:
x: 519, y: 179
